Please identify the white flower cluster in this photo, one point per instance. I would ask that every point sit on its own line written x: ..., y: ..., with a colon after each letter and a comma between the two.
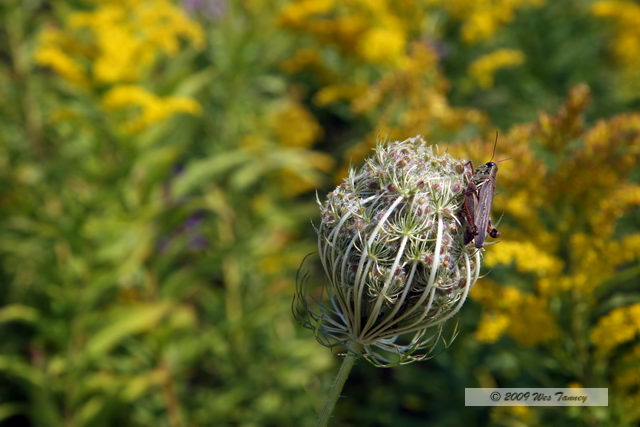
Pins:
x: 391, y: 242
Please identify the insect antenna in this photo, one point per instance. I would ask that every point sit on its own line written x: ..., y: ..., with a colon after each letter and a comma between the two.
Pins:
x: 494, y: 147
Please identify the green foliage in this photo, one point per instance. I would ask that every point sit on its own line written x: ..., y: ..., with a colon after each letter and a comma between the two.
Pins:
x: 134, y: 288
x: 154, y: 211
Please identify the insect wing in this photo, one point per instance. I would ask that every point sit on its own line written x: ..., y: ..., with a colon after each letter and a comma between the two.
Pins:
x: 486, y: 186
x: 485, y: 199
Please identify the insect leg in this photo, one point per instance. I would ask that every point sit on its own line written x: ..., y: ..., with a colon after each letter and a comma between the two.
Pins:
x: 470, y: 197
x: 493, y: 232
x: 470, y: 202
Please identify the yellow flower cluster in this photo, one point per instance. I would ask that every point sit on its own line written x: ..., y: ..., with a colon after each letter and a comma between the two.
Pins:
x: 291, y: 130
x: 369, y: 30
x: 380, y: 59
x: 380, y: 45
x: 626, y: 41
x: 408, y: 101
x: 525, y: 317
x: 154, y: 109
x: 482, y: 18
x: 491, y: 327
x: 129, y: 36
x: 618, y: 327
x: 483, y: 69
x: 526, y: 256
x: 53, y: 52
x: 626, y: 15
x: 117, y: 45
x: 294, y: 126
x: 560, y: 224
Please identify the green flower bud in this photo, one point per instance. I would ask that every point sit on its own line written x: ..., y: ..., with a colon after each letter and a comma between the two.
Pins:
x: 391, y: 242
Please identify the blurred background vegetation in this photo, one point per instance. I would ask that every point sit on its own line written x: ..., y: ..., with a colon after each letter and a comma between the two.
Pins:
x: 158, y: 168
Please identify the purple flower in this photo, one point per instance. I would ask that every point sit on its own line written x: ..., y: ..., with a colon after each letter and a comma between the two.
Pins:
x: 208, y: 9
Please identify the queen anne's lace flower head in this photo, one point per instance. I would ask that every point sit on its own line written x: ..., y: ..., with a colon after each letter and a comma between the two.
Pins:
x: 391, y: 242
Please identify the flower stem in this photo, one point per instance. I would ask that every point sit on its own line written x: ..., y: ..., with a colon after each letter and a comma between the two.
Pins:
x: 336, y: 388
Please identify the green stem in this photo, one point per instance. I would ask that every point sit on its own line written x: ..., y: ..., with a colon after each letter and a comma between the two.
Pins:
x: 336, y: 388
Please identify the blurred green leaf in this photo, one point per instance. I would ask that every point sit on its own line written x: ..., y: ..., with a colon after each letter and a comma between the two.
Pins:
x: 201, y: 172
x: 18, y: 368
x: 17, y: 312
x: 124, y: 324
x: 8, y: 410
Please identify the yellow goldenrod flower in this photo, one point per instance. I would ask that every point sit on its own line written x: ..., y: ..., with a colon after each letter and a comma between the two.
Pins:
x: 338, y: 92
x: 630, y: 247
x: 303, y: 58
x: 292, y: 130
x: 617, y: 327
x: 347, y: 45
x: 295, y: 13
x: 626, y: 41
x: 491, y: 327
x: 532, y: 310
x: 122, y: 39
x: 56, y: 50
x: 153, y: 109
x: 130, y: 39
x: 484, y: 68
x: 481, y: 26
x: 382, y: 45
x: 61, y: 63
x: 124, y: 96
x: 527, y: 257
x: 614, y: 206
x: 294, y: 126
x: 481, y: 19
x: 512, y: 312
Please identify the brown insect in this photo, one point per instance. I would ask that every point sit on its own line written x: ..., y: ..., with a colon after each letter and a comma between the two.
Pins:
x: 478, y: 198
